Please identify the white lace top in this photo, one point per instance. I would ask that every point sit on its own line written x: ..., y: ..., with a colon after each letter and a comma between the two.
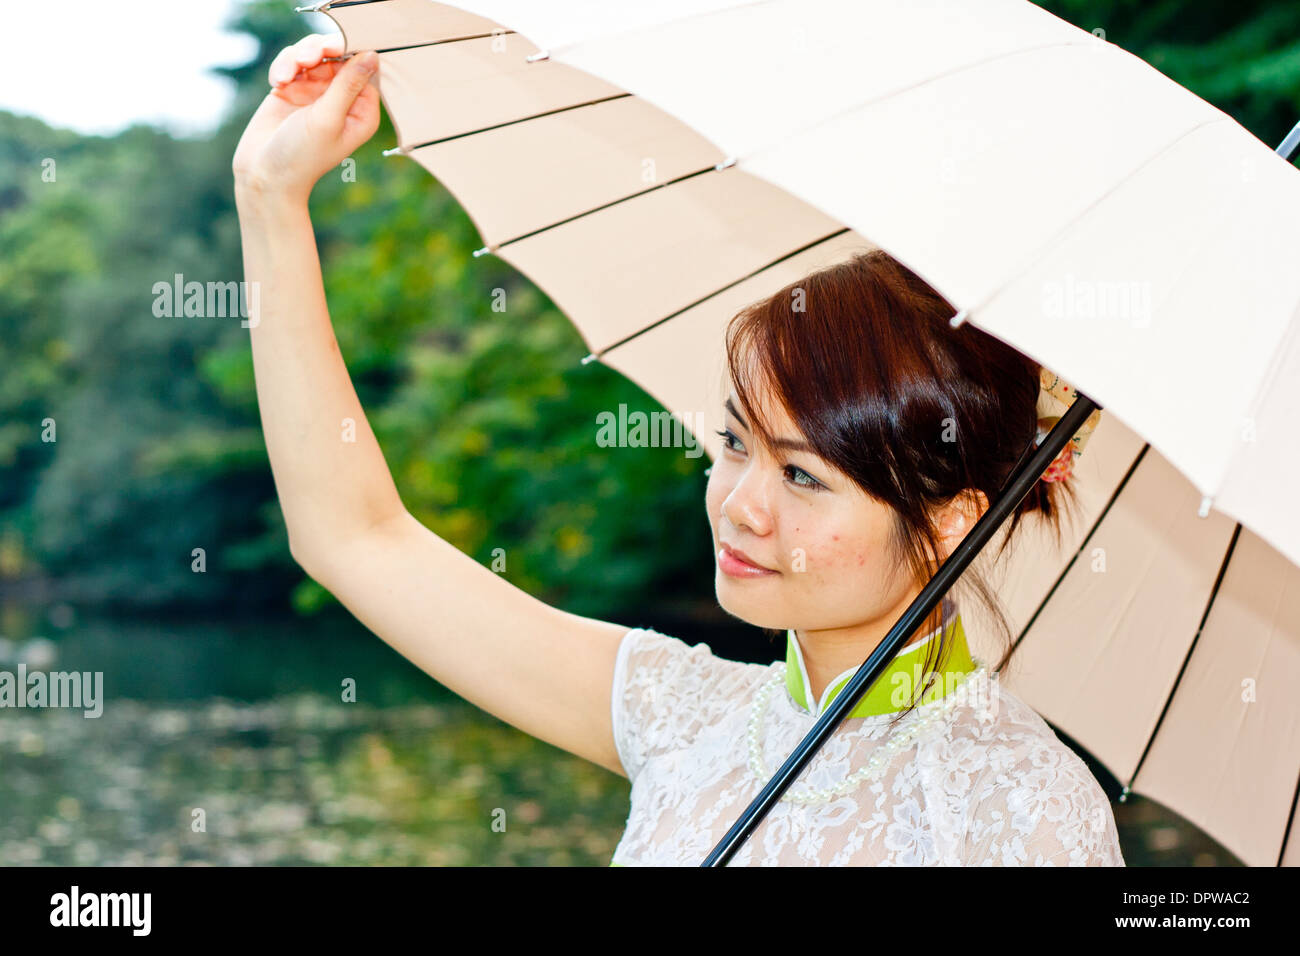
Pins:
x: 984, y: 783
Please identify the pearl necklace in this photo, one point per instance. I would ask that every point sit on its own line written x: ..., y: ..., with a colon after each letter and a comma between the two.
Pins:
x: 930, y: 714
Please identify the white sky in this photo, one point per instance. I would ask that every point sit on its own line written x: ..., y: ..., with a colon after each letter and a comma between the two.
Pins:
x: 96, y: 66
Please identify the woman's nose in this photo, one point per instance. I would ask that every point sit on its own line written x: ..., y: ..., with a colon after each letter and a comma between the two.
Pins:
x: 747, y: 504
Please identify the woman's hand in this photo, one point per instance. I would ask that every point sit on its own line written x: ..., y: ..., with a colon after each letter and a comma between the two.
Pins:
x: 315, y: 116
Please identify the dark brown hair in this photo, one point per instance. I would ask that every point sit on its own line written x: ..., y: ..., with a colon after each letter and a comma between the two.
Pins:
x: 863, y: 359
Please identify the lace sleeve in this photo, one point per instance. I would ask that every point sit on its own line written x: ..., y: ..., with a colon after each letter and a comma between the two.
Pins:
x: 664, y: 690
x: 1045, y: 809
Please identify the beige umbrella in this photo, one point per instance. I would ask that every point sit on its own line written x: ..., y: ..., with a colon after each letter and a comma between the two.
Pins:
x: 656, y: 167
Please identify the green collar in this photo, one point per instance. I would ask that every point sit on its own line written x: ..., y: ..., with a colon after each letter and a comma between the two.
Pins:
x: 896, y: 686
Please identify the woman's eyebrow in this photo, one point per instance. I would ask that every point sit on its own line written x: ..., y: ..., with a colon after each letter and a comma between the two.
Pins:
x: 729, y: 406
x: 783, y: 444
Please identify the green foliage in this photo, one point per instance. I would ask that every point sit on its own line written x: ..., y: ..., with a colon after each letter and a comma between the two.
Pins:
x: 486, y: 417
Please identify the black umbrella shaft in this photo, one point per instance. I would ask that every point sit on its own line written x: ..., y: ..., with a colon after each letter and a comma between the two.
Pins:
x: 1016, y: 489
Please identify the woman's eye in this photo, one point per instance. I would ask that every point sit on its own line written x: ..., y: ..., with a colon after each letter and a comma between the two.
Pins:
x: 812, y: 485
x: 801, y: 478
x: 728, y: 438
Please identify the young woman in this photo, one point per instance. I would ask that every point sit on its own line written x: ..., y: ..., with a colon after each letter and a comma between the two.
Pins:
x: 864, y: 438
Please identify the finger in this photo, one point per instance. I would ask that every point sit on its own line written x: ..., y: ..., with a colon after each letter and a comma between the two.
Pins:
x: 321, y: 71
x: 314, y: 79
x: 304, y: 55
x: 362, y: 120
x: 366, y: 106
x: 285, y: 64
x: 308, y: 86
x: 337, y: 100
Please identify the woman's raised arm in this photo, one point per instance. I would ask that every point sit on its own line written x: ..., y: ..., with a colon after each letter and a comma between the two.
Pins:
x: 543, y: 670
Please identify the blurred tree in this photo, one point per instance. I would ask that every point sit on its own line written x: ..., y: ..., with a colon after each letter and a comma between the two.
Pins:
x: 486, y: 417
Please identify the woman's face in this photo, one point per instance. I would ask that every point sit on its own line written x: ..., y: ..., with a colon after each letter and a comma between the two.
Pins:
x: 823, y: 539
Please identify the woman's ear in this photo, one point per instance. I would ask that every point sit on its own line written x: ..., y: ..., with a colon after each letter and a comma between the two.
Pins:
x: 957, y: 517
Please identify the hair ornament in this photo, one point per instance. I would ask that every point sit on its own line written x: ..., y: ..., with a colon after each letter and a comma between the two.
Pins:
x: 1056, y: 395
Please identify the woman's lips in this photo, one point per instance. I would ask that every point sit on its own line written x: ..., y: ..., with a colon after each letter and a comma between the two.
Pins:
x: 736, y: 566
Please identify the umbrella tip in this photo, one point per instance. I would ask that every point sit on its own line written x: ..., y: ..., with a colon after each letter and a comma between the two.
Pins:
x: 1204, y: 510
x: 396, y: 150
x: 958, y: 319
x: 539, y: 55
x: 486, y: 250
x: 729, y: 161
x: 313, y: 7
x: 590, y: 357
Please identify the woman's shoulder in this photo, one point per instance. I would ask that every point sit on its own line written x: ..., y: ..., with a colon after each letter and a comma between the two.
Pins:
x: 651, y: 658
x: 1033, y: 800
x: 666, y: 692
x: 1014, y: 737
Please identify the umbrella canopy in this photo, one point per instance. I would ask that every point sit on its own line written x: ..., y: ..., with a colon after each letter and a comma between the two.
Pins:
x: 655, y: 168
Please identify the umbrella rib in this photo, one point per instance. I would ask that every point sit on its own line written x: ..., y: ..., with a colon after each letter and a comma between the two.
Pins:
x: 1187, y: 658
x: 416, y: 46
x: 597, y: 208
x: 1101, y: 516
x: 522, y: 119
x: 718, y: 291
x: 327, y: 5
x: 1286, y: 834
x: 320, y: 6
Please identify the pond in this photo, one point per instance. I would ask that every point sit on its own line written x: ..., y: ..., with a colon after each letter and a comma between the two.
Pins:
x: 228, y: 741
x: 231, y: 743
